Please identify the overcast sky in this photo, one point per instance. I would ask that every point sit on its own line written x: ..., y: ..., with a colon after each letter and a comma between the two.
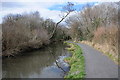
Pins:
x: 47, y: 8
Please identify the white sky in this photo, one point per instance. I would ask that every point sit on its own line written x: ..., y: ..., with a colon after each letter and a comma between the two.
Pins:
x: 42, y: 7
x: 60, y: 0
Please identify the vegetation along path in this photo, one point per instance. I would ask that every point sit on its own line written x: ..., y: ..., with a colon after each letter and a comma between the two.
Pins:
x: 98, y: 65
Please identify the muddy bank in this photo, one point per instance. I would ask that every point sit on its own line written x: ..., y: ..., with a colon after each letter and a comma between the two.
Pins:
x: 26, y: 47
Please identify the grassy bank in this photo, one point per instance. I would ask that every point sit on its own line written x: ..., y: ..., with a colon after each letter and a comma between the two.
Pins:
x: 76, y: 62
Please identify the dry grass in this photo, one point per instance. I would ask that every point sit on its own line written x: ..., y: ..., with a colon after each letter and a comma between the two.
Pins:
x: 103, y: 48
x: 106, y: 40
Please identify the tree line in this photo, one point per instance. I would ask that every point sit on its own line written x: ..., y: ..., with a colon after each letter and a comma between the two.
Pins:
x: 21, y: 32
x: 98, y: 24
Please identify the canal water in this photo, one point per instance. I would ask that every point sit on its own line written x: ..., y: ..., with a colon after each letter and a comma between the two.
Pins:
x: 44, y: 63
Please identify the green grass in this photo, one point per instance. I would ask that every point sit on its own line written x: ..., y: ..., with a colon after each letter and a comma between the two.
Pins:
x: 76, y: 62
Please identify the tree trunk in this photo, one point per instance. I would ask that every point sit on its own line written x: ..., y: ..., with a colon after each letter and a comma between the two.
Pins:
x: 56, y: 25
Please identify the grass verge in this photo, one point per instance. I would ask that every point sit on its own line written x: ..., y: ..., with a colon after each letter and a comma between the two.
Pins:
x: 76, y: 62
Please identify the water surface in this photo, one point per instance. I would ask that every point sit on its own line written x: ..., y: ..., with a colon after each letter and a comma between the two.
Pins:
x: 37, y: 64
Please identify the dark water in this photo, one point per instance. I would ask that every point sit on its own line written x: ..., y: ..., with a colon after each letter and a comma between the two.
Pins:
x: 37, y: 64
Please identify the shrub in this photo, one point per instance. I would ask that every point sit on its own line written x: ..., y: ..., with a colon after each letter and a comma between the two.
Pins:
x: 23, y: 30
x: 109, y: 36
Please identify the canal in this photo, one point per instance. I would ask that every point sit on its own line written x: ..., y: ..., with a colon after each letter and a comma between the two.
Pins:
x: 46, y: 62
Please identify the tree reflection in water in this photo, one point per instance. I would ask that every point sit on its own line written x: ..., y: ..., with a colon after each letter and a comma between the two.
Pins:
x: 36, y: 64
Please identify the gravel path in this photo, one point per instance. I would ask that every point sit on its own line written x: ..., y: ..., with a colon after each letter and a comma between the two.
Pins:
x: 97, y: 64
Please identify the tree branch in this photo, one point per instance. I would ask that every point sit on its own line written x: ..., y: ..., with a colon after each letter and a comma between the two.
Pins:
x: 56, y: 25
x: 58, y: 65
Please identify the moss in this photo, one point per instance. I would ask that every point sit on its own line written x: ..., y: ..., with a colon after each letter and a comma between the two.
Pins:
x: 76, y: 62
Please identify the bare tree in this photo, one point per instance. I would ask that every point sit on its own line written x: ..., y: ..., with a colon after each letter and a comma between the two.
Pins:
x: 68, y: 9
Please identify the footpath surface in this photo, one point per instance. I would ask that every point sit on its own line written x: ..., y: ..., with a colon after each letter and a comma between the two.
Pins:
x: 98, y: 65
